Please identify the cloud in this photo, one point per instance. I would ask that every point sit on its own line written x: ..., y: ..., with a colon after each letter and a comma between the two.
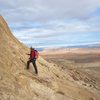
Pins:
x: 41, y: 21
x: 59, y: 28
x: 46, y: 10
x: 49, y: 13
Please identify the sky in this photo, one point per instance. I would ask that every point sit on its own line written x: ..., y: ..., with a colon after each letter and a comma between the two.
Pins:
x: 53, y: 23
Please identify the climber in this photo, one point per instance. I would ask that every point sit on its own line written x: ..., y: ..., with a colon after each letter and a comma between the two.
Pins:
x: 33, y: 56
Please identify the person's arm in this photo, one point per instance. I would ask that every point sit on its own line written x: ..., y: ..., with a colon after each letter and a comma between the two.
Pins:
x: 28, y: 54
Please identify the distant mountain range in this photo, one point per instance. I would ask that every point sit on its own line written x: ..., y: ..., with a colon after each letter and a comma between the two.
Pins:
x: 74, y: 46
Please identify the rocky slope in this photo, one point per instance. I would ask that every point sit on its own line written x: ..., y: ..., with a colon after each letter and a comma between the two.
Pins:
x: 52, y: 83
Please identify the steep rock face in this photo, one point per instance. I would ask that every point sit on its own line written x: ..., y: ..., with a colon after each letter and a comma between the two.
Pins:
x: 11, y: 56
x: 17, y: 83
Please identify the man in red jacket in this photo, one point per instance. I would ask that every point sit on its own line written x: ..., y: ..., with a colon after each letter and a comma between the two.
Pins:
x: 33, y: 56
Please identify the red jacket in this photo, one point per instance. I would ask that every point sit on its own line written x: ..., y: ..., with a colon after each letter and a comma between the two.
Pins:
x: 33, y: 54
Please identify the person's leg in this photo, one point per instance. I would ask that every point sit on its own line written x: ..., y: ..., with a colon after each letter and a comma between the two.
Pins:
x: 35, y: 67
x: 28, y: 62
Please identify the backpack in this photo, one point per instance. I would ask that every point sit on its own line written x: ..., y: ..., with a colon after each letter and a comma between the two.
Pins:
x: 36, y: 54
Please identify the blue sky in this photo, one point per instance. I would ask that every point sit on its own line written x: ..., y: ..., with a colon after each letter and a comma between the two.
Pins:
x: 53, y: 23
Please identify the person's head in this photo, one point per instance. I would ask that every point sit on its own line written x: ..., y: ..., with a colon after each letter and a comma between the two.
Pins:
x: 31, y: 48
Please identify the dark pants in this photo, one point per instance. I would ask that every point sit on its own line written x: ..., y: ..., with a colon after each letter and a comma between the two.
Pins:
x: 34, y: 64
